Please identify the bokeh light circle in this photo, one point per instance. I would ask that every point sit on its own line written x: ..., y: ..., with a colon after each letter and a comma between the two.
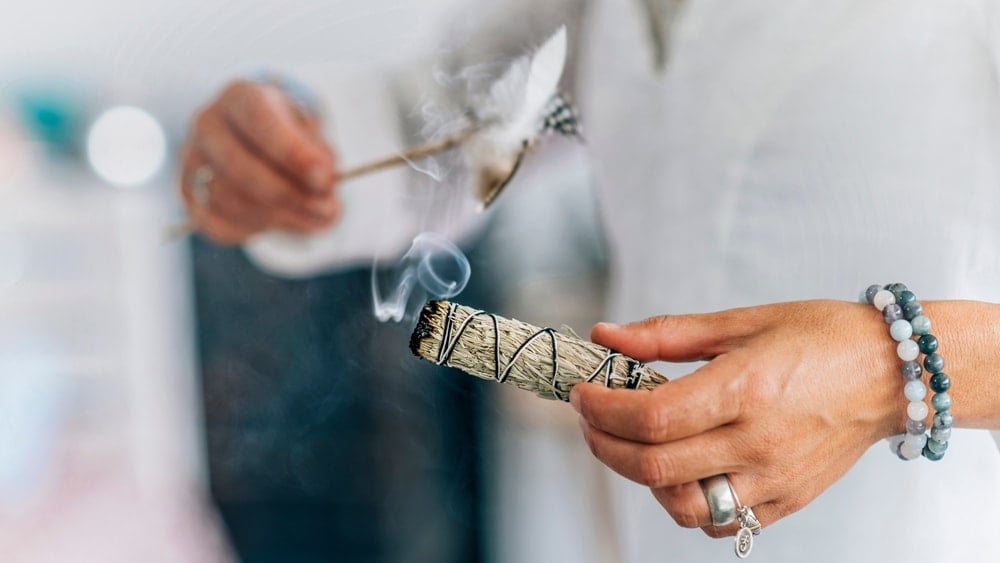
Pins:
x: 126, y: 146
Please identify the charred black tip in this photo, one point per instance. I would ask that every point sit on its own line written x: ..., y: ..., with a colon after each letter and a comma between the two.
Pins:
x: 425, y: 326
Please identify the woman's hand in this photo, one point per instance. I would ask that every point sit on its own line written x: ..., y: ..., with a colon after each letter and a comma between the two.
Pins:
x: 262, y: 165
x: 790, y: 398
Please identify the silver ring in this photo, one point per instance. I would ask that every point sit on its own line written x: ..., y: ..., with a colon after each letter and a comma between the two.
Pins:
x: 201, y: 184
x: 722, y: 503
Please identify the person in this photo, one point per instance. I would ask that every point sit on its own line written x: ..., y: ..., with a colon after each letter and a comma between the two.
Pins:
x: 757, y: 164
x: 325, y: 439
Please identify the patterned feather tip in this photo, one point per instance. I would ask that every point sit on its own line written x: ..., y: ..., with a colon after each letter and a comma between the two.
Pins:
x: 519, y: 107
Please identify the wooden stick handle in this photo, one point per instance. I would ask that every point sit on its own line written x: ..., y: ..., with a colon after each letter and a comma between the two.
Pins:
x: 428, y: 149
x: 180, y: 230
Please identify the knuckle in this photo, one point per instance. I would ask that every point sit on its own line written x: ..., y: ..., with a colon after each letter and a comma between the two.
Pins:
x: 260, y: 116
x: 653, y: 469
x: 681, y: 505
x: 767, y: 447
x: 685, y: 517
x: 301, y: 155
x: 651, y: 423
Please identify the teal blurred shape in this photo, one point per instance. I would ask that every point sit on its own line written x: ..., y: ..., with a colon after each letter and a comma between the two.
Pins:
x: 53, y: 114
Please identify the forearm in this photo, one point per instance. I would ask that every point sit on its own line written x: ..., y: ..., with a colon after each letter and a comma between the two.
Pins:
x: 969, y: 335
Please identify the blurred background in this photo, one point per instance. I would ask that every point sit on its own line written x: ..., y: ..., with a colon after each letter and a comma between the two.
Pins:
x: 167, y: 402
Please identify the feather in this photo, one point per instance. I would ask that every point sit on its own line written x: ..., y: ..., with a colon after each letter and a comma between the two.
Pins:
x: 517, y: 108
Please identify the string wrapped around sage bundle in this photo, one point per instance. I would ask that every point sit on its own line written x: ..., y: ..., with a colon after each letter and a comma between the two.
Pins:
x: 541, y: 360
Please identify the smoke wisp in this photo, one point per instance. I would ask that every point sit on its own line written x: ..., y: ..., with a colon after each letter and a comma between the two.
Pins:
x: 432, y: 268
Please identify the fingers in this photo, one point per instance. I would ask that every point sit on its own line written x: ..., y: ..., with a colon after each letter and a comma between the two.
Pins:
x: 758, y: 411
x: 211, y: 219
x: 707, y: 398
x: 268, y: 123
x: 271, y: 168
x: 234, y: 164
x: 678, y: 338
x: 687, y: 505
x: 231, y: 216
x: 667, y: 464
x: 673, y: 475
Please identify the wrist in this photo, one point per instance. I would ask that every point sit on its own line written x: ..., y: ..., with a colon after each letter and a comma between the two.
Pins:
x: 884, y: 412
x: 911, y: 328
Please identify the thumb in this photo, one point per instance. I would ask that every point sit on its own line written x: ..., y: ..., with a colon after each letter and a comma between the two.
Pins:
x: 675, y: 338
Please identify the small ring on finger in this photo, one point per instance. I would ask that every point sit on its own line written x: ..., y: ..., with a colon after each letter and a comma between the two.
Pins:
x: 201, y: 185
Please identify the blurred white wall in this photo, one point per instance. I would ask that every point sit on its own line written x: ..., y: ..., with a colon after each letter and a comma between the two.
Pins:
x: 169, y: 55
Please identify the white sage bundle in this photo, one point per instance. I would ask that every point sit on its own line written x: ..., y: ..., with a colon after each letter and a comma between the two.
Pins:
x: 541, y: 360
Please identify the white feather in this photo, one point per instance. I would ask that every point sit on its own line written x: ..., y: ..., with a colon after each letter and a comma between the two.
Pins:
x: 516, y: 102
x: 511, y: 114
x: 543, y: 82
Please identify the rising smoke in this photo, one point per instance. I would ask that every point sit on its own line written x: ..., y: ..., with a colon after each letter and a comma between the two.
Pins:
x: 433, y: 268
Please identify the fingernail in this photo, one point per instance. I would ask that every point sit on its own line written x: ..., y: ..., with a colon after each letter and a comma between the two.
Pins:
x: 319, y: 180
x: 574, y: 399
x: 610, y: 326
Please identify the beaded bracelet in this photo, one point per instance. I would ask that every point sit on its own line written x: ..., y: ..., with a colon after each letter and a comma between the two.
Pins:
x: 905, y: 317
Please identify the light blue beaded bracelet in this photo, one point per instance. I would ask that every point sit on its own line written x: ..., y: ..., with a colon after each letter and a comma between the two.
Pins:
x: 906, y: 319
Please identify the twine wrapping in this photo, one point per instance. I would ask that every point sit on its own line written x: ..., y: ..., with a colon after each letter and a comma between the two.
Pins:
x: 541, y: 360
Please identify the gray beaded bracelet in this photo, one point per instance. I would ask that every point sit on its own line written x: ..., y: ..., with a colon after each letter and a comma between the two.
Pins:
x: 906, y: 319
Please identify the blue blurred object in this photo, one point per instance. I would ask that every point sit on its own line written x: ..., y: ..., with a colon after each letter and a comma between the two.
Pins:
x: 52, y: 113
